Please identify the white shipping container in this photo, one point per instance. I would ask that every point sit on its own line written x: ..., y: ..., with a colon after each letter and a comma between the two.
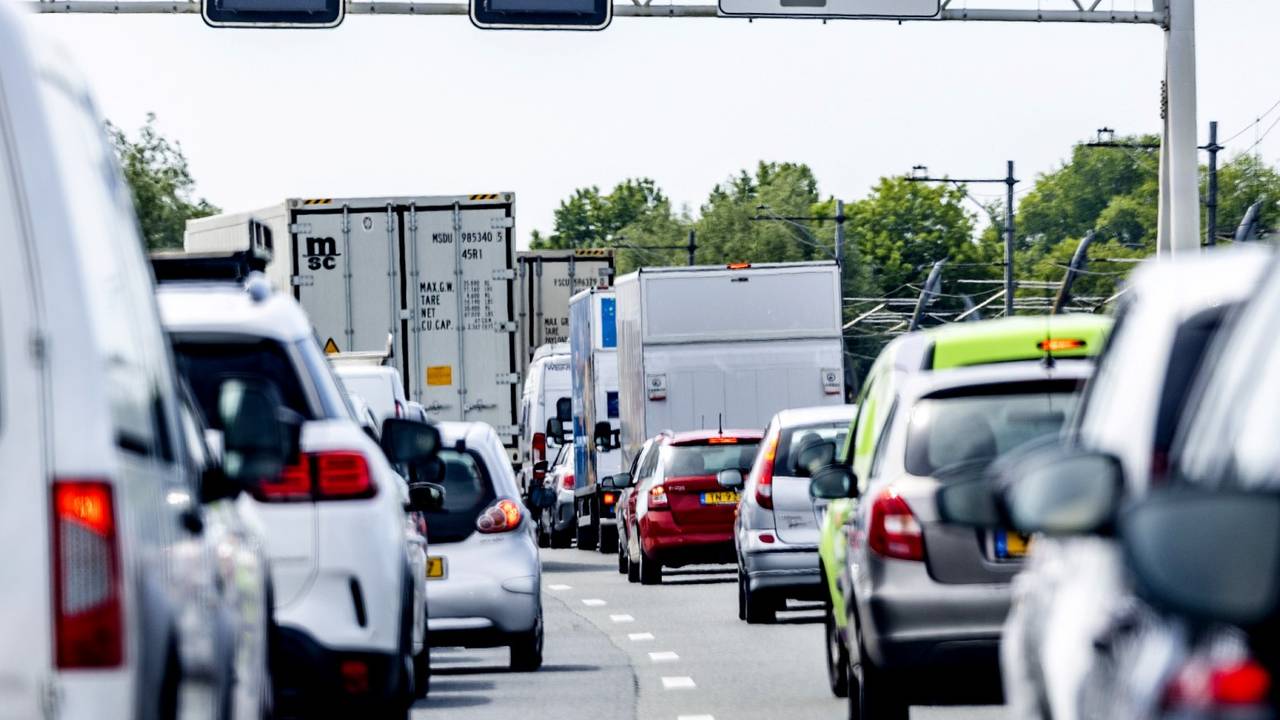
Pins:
x: 545, y: 280
x: 707, y: 347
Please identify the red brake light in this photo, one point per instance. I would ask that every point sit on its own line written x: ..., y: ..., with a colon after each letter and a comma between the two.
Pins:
x: 764, y: 485
x: 1199, y: 685
x: 609, y: 498
x: 539, y: 446
x: 722, y: 440
x: 502, y: 516
x: 1060, y: 344
x: 658, y: 498
x: 342, y: 476
x: 293, y: 484
x: 88, y: 617
x: 894, y: 531
x: 739, y: 265
x: 567, y: 481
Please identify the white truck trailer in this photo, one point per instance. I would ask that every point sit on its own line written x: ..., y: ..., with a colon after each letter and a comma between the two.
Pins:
x: 597, y: 415
x: 545, y: 280
x: 433, y: 273
x: 729, y: 346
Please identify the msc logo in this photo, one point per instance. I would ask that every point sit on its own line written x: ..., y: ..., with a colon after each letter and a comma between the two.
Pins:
x: 322, y: 253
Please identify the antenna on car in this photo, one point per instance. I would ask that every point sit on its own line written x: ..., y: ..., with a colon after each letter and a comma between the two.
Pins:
x: 720, y: 423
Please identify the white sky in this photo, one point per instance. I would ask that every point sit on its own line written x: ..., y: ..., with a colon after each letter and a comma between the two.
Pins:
x: 430, y: 105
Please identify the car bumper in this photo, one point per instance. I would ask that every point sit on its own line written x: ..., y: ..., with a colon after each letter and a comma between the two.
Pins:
x: 669, y: 544
x: 910, y: 621
x: 491, y: 589
x: 309, y: 678
x: 563, y: 517
x: 790, y: 570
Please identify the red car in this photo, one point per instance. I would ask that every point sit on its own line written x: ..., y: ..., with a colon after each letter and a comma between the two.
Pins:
x: 677, y: 513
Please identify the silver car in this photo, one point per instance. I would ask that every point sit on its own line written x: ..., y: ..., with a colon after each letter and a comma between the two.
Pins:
x: 484, y: 580
x: 776, y: 531
x: 557, y: 523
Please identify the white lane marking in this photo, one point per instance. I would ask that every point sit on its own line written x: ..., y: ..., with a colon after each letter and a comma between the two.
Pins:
x: 695, y: 717
x: 559, y: 588
x: 640, y: 637
x: 622, y: 618
x: 665, y: 656
x: 594, y: 602
x: 682, y: 682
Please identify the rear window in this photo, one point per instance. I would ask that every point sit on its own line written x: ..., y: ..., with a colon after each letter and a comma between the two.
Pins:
x: 708, y: 459
x: 467, y: 492
x: 207, y: 364
x: 793, y: 439
x: 973, y: 428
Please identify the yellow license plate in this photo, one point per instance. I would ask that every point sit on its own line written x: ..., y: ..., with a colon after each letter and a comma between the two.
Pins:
x: 720, y: 498
x: 435, y: 568
x: 1011, y: 545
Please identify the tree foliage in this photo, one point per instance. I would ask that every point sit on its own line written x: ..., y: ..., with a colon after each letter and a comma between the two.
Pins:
x: 160, y: 182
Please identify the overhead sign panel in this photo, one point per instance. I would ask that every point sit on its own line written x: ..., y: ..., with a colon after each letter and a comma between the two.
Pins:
x: 542, y: 14
x: 273, y: 13
x: 833, y: 9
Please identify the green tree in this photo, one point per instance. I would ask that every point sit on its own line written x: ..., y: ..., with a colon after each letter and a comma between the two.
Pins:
x: 728, y: 230
x: 160, y: 182
x: 589, y: 219
x: 1242, y: 182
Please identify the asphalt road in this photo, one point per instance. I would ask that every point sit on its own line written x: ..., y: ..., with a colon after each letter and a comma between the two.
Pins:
x: 677, y: 651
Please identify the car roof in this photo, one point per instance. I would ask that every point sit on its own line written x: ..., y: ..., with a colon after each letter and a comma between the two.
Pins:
x: 365, y: 370
x: 820, y: 414
x: 549, y: 350
x: 693, y: 436
x: 228, y: 307
x: 928, y: 383
x: 472, y: 433
x: 1185, y: 285
x: 1014, y: 339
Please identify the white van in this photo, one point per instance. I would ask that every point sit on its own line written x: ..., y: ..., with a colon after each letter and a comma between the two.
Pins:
x: 108, y: 585
x: 548, y: 380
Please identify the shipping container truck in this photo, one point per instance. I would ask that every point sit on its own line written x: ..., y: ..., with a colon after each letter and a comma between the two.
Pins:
x: 545, y: 280
x: 728, y: 346
x: 593, y: 347
x: 434, y: 274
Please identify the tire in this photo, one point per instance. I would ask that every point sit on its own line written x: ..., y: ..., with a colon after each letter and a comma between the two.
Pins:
x: 650, y: 569
x: 873, y: 695
x: 422, y: 672
x: 588, y: 537
x: 837, y: 657
x: 608, y: 539
x: 742, y: 596
x: 526, y: 651
x: 633, y: 567
x: 758, y: 609
x: 624, y: 560
x: 561, y: 540
x: 171, y: 684
x: 544, y: 537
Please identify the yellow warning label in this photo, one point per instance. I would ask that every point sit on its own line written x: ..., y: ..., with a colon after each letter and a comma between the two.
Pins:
x: 440, y: 375
x: 331, y: 347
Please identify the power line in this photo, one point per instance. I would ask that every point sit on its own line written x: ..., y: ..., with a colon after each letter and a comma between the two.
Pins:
x: 1253, y: 124
x: 1262, y: 137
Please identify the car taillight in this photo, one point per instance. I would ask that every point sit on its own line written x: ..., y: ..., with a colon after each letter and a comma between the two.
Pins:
x: 88, y: 617
x: 342, y: 476
x: 764, y: 486
x: 609, y: 498
x: 1202, y: 686
x: 567, y: 481
x: 502, y: 516
x: 333, y: 475
x: 539, y: 446
x: 658, y: 498
x: 894, y: 531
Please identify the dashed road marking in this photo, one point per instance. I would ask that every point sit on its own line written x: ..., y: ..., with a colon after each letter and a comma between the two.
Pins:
x: 681, y: 682
x: 622, y: 618
x: 640, y: 637
x: 665, y: 656
x: 559, y: 587
x: 594, y: 602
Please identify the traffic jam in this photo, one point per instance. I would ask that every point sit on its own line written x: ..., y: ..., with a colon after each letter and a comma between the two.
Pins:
x: 363, y: 458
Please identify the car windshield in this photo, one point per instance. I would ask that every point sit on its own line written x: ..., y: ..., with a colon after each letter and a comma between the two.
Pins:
x: 467, y: 492
x: 708, y: 459
x: 793, y: 439
x: 972, y: 427
x: 206, y: 364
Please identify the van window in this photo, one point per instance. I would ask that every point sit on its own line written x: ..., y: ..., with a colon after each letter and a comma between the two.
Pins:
x: 467, y: 492
x: 113, y: 274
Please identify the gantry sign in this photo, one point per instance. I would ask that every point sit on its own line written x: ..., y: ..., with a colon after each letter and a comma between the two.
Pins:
x: 1179, y: 225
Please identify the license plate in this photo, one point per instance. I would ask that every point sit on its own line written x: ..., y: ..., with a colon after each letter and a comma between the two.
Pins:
x: 1010, y: 545
x: 435, y: 568
x: 720, y: 498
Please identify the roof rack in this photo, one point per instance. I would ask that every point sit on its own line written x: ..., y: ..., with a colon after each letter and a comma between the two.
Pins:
x: 175, y: 265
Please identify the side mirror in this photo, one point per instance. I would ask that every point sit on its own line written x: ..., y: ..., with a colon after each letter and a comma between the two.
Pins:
x: 257, y: 440
x: 555, y: 431
x: 730, y: 478
x: 407, y: 442
x: 1209, y: 554
x: 564, y: 410
x: 539, y: 471
x: 603, y: 435
x: 833, y: 482
x: 426, y: 497
x: 621, y: 481
x: 813, y: 456
x: 971, y: 503
x: 215, y: 485
x: 1063, y: 492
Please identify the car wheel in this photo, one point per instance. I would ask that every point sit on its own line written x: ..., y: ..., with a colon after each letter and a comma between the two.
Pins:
x: 624, y: 562
x: 561, y: 539
x: 526, y: 651
x: 422, y: 672
x: 587, y: 537
x: 633, y: 566
x: 742, y: 595
x: 872, y: 692
x: 650, y: 569
x: 757, y: 609
x: 837, y: 657
x: 544, y: 534
x: 608, y: 539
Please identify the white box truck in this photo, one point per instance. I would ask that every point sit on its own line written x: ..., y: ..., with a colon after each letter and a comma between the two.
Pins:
x: 545, y: 280
x: 597, y: 415
x: 433, y: 273
x: 701, y: 347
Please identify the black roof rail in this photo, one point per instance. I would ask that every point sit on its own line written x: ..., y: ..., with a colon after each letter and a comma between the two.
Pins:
x: 174, y: 265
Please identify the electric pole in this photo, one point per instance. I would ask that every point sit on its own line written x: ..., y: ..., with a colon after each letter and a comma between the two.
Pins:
x: 1211, y: 202
x: 693, y: 246
x: 840, y: 233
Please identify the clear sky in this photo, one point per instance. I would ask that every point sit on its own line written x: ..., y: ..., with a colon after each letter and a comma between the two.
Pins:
x: 430, y: 105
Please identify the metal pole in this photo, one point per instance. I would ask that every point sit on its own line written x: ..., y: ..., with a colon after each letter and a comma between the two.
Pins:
x: 1180, y: 130
x: 693, y: 246
x: 840, y: 233
x: 1211, y: 204
x: 1009, y: 182
x: 1078, y: 261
